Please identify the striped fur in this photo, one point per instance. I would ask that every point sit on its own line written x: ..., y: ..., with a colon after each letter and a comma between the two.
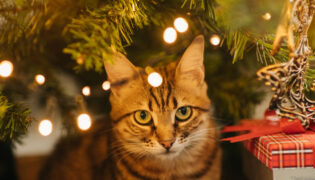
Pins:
x: 135, y: 151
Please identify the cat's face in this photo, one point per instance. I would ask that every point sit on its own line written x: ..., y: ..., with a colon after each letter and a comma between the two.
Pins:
x: 163, y: 121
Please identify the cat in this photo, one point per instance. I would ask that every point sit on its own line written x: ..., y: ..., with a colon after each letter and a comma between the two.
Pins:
x: 163, y: 132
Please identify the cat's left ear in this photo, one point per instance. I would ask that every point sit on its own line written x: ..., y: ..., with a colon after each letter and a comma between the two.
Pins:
x: 122, y: 74
x: 190, y: 66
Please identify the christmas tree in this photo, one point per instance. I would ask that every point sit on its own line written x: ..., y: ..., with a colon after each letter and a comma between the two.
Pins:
x: 44, y: 37
x: 41, y: 39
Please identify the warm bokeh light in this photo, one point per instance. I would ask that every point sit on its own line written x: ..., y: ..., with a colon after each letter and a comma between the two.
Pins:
x: 106, y: 85
x: 40, y: 79
x: 6, y: 68
x: 80, y: 60
x: 86, y: 91
x: 45, y: 127
x: 84, y: 121
x: 266, y: 16
x: 133, y: 7
x: 215, y: 40
x: 181, y: 24
x: 155, y: 79
x: 169, y: 35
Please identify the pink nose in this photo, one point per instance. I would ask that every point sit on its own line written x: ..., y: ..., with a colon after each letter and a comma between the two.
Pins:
x: 167, y: 144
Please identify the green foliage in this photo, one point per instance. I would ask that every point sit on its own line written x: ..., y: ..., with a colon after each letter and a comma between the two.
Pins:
x: 233, y: 88
x: 207, y: 6
x: 18, y: 20
x: 14, y: 120
x: 34, y: 34
x: 241, y: 24
x: 263, y: 49
x: 98, y: 28
x: 99, y: 32
x: 236, y: 42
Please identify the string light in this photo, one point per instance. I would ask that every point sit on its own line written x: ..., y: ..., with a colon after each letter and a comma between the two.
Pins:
x: 86, y: 91
x: 169, y: 35
x: 40, y: 79
x: 80, y: 60
x: 266, y: 16
x: 133, y: 7
x: 106, y: 85
x: 181, y: 24
x: 155, y: 79
x: 215, y: 40
x: 45, y: 127
x: 6, y: 68
x: 84, y: 121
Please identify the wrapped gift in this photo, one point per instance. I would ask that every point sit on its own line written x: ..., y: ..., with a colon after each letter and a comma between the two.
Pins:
x: 276, y: 151
x: 284, y: 150
x: 281, y: 150
x: 255, y: 169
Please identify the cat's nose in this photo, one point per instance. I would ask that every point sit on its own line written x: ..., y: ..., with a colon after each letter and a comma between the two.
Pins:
x: 167, y: 144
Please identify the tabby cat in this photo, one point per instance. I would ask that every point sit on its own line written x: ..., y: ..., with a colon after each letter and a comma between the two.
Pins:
x: 163, y: 132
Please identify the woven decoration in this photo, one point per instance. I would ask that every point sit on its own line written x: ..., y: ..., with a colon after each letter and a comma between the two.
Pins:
x: 287, y: 79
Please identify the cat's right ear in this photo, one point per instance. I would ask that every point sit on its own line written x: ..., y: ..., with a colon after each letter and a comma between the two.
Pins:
x: 120, y: 72
x: 190, y: 68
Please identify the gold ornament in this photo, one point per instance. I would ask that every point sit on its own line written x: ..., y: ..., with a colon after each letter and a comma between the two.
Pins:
x: 287, y: 79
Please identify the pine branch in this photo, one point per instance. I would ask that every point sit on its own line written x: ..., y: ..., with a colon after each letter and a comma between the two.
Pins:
x: 20, y: 9
x: 263, y: 51
x: 14, y: 120
x: 19, y: 19
x: 109, y: 28
x: 236, y: 42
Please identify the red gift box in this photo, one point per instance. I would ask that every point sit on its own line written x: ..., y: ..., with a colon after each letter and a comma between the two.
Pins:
x: 284, y: 151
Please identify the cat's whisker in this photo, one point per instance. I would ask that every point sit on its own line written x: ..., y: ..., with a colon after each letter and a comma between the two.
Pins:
x: 206, y: 129
x: 140, y: 155
x: 128, y: 149
x: 203, y: 133
x: 210, y: 137
x: 135, y: 155
x: 122, y: 152
x: 187, y: 152
x: 222, y: 122
x: 207, y: 137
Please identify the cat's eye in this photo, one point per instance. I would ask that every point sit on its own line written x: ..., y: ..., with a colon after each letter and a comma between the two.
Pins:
x: 183, y: 113
x: 143, y: 117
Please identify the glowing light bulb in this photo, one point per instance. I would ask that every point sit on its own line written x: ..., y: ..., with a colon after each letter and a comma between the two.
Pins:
x: 169, y: 35
x: 155, y: 79
x: 84, y: 121
x: 40, y: 79
x: 181, y: 24
x: 266, y: 16
x: 106, y: 85
x: 215, y: 40
x: 45, y: 127
x: 6, y: 68
x: 86, y: 91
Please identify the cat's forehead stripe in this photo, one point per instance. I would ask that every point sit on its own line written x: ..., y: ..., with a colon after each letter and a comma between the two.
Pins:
x: 150, y: 105
x: 162, y: 95
x: 175, y: 102
x: 154, y: 97
x: 168, y: 93
x: 162, y: 99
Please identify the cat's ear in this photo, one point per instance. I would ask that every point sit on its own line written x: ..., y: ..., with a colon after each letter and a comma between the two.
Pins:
x: 121, y: 72
x: 121, y: 68
x: 190, y: 67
